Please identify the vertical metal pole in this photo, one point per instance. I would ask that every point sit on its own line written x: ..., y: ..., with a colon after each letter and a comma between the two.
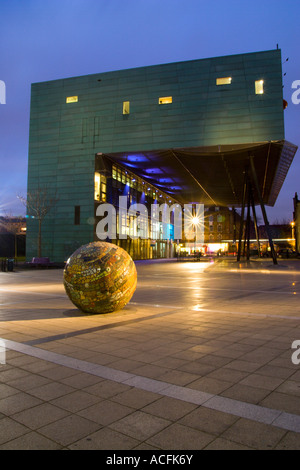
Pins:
x: 242, y: 215
x: 263, y: 210
x: 255, y: 223
x: 246, y: 227
x: 248, y: 224
x: 234, y: 224
x: 296, y: 222
x: 245, y: 235
x: 194, y: 215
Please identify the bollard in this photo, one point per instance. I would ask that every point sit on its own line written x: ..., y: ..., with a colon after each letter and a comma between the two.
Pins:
x: 10, y: 265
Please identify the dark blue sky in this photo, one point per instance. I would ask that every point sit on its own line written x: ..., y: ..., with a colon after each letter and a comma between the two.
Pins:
x: 49, y: 39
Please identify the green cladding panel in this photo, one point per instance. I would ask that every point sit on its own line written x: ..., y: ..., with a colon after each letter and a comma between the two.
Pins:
x: 64, y: 137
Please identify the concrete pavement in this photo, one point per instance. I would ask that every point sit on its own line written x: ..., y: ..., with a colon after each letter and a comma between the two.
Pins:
x: 201, y: 358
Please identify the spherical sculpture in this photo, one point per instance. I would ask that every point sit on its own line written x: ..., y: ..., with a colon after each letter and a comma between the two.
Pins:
x: 100, y: 278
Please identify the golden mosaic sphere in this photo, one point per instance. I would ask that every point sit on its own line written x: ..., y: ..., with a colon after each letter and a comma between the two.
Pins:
x: 100, y: 277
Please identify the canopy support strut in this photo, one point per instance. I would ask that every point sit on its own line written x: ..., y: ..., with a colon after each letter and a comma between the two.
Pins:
x: 245, y: 225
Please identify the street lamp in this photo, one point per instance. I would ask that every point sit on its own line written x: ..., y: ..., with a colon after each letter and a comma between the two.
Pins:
x: 195, y: 222
x: 293, y: 234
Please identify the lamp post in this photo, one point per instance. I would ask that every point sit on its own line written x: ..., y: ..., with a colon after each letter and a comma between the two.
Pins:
x: 293, y: 234
x: 195, y: 223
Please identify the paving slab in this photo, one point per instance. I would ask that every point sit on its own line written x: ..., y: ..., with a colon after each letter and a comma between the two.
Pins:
x: 200, y: 358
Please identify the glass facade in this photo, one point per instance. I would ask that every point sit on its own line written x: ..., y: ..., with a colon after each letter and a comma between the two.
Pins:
x: 145, y: 232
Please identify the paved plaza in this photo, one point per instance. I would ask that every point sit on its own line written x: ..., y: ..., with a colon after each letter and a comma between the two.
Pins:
x: 201, y: 358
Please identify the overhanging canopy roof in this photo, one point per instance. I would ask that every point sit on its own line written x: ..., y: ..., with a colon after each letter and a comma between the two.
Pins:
x: 212, y: 175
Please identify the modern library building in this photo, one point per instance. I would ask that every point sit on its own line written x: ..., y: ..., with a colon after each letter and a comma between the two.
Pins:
x: 201, y: 132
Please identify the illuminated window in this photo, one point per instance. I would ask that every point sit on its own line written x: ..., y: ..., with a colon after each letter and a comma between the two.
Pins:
x: 99, y: 187
x: 126, y: 107
x: 165, y: 100
x: 259, y: 87
x: 224, y: 81
x: 71, y: 99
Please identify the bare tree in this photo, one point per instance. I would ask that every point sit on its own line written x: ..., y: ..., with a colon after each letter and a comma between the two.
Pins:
x: 39, y: 204
x: 282, y: 221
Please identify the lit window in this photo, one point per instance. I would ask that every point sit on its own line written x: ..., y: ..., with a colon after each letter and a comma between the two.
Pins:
x: 165, y: 100
x: 103, y: 191
x: 259, y: 87
x: 99, y: 187
x: 126, y: 107
x: 224, y: 81
x: 71, y: 99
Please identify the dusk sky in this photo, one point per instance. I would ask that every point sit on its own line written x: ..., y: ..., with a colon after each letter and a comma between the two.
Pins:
x: 43, y: 40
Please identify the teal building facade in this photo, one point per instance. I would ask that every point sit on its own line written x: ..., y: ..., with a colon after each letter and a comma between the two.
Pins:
x: 78, y: 124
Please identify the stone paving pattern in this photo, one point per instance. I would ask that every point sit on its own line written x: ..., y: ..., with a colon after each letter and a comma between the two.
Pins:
x: 199, y: 359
